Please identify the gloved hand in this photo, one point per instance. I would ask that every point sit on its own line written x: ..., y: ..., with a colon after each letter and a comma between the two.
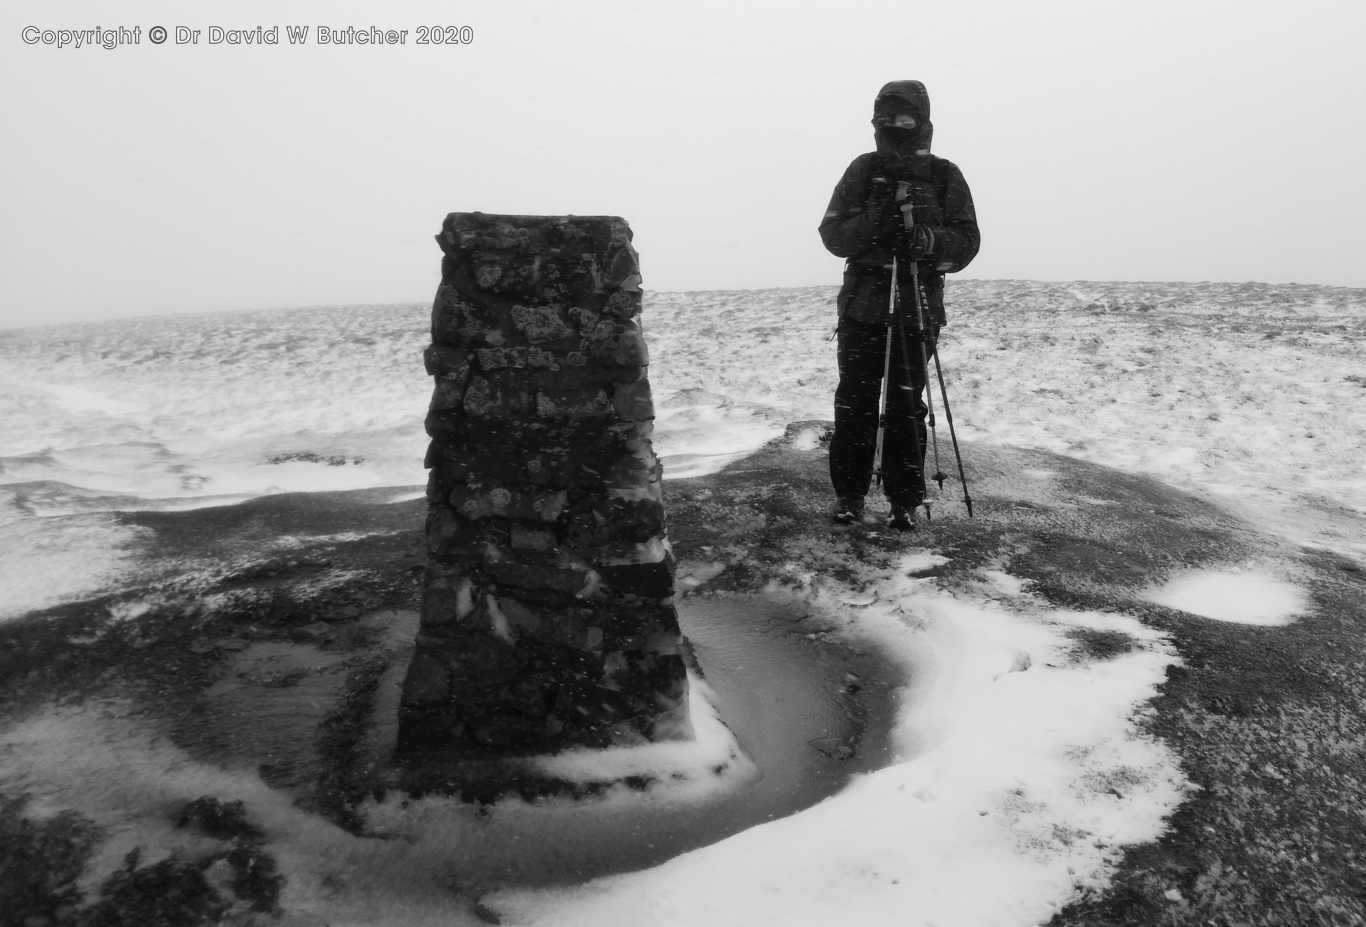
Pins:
x: 887, y: 219
x: 923, y: 243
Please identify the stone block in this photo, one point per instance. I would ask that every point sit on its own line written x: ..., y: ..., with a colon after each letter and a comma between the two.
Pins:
x: 476, y: 659
x: 517, y: 356
x: 428, y: 681
x: 635, y: 472
x: 539, y: 575
x: 523, y: 618
x: 648, y: 580
x: 621, y: 266
x: 543, y: 505
x: 633, y: 401
x: 616, y: 343
x: 574, y: 403
x: 447, y: 426
x: 571, y: 665
x: 448, y: 532
x: 532, y: 536
x: 596, y: 706
x: 578, y: 628
x: 611, y: 521
x: 546, y: 325
x: 459, y: 320
x: 643, y: 626
x: 663, y: 676
x: 498, y: 396
x: 590, y: 373
x: 440, y: 605
x: 623, y: 305
x: 503, y: 730
x: 447, y: 395
x: 422, y: 729
x: 530, y: 695
x: 450, y: 363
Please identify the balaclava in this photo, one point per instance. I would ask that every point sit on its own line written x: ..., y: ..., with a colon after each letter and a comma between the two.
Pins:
x: 902, y: 96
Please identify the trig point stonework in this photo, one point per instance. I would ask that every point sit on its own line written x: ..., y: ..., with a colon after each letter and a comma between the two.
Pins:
x: 547, y: 614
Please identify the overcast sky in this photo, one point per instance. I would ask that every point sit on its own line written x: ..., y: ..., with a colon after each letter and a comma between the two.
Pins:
x: 1102, y: 140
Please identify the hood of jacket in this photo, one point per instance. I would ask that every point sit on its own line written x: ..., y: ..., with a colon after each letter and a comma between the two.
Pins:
x: 903, y: 96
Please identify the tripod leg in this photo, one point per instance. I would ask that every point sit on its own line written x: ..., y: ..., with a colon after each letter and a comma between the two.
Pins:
x: 912, y: 391
x: 921, y: 328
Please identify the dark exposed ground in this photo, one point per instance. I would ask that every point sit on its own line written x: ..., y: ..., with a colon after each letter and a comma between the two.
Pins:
x: 1269, y: 722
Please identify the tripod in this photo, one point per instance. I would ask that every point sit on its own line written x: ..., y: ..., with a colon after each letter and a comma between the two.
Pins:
x: 896, y: 318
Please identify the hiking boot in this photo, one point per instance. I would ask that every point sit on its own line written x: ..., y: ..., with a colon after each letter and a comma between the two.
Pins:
x: 848, y: 510
x: 902, y: 517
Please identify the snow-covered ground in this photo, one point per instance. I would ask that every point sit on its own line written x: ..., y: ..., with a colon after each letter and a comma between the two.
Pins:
x: 1256, y: 393
x: 1249, y: 393
x: 1011, y: 790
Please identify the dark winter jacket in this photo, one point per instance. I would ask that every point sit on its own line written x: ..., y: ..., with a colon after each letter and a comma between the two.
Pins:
x: 850, y: 227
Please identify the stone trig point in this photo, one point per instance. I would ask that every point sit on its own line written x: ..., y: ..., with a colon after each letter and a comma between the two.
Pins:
x: 547, y: 612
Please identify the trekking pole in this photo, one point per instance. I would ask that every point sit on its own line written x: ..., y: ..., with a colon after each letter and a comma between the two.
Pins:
x: 925, y: 367
x: 967, y: 500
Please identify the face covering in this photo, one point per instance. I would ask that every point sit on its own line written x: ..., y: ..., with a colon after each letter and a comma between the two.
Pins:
x: 902, y: 137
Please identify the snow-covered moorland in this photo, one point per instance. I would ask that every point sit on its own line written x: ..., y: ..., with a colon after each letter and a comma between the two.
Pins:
x: 1255, y: 394
x: 1011, y: 791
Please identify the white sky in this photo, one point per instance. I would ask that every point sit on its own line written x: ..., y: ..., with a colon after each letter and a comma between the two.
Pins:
x: 1141, y: 140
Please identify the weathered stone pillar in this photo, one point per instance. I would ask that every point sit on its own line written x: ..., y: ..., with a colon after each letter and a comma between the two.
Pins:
x: 547, y: 614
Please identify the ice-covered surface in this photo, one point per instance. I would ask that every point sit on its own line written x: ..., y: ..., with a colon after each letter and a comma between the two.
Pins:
x: 1226, y: 595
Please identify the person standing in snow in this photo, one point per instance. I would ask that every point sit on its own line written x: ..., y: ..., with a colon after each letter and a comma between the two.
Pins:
x: 862, y: 225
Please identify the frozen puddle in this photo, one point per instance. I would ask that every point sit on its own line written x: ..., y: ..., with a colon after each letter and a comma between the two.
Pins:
x: 805, y: 718
x: 1244, y: 598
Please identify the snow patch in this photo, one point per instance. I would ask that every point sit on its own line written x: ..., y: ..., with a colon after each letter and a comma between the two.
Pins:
x: 921, y: 562
x: 406, y: 497
x: 1004, y: 582
x: 808, y: 439
x: 1243, y: 598
x: 46, y: 562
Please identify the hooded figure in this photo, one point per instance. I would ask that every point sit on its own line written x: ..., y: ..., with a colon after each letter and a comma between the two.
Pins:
x: 902, y: 97
x: 862, y: 225
x: 854, y: 225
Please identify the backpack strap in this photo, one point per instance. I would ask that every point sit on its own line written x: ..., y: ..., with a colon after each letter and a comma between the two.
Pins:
x: 939, y: 173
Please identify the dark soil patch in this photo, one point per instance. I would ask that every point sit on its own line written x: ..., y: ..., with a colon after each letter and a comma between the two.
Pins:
x: 1101, y: 645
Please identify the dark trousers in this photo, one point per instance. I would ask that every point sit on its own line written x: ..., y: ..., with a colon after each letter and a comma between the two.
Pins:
x: 861, y: 355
